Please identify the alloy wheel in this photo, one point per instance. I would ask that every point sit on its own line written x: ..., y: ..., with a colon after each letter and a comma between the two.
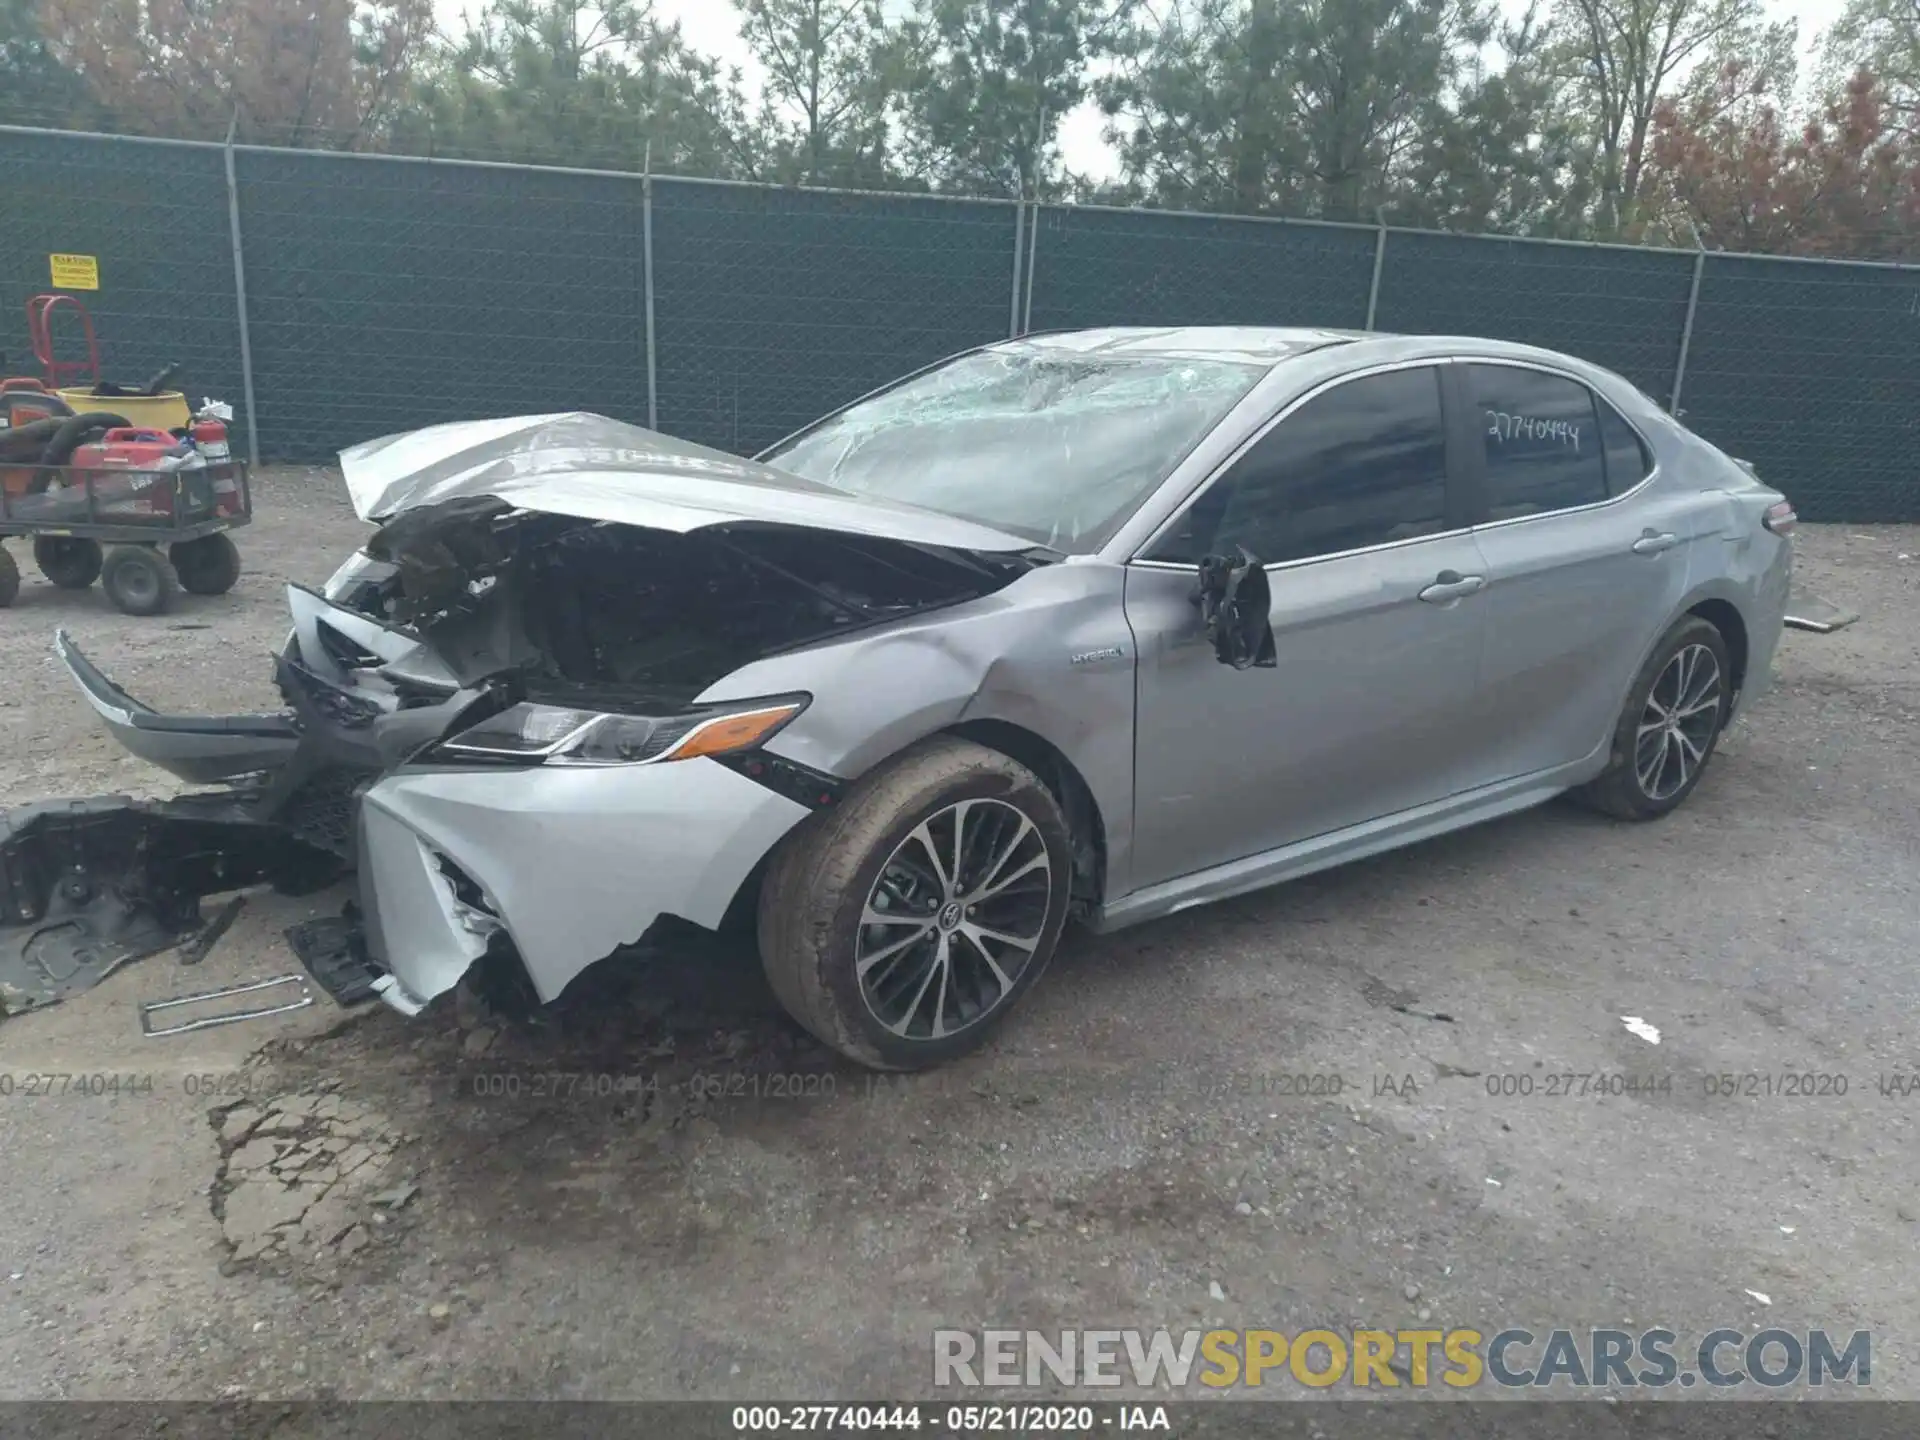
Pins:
x: 1678, y: 724
x: 953, y: 920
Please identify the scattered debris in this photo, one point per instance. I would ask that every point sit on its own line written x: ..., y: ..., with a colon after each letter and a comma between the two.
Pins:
x: 1636, y: 1026
x: 1786, y: 1229
x: 1412, y: 1292
x: 89, y: 885
x: 333, y: 951
x: 1243, y: 1208
x: 1764, y: 1300
x: 1808, y: 612
x: 440, y: 1315
x: 206, y: 1022
x: 1213, y: 1289
x: 1495, y: 1183
x: 198, y: 948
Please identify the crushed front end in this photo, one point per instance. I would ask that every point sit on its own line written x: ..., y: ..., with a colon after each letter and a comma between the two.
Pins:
x: 497, y: 716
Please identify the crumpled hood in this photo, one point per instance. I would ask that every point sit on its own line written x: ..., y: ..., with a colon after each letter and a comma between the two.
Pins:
x: 588, y: 466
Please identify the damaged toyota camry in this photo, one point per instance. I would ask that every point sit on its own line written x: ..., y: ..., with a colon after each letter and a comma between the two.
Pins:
x: 1100, y: 625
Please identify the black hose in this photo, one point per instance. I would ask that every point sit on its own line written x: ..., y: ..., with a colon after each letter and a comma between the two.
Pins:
x: 30, y: 440
x: 69, y: 437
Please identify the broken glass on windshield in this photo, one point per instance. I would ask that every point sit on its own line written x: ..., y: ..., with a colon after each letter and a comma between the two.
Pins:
x: 1058, y: 447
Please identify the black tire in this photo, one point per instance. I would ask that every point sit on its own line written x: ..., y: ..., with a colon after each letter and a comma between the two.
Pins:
x: 9, y: 578
x: 136, y: 580
x: 821, y: 878
x: 70, y: 563
x: 1622, y: 790
x: 207, y: 566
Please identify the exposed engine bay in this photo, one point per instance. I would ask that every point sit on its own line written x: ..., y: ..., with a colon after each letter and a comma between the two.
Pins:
x: 568, y: 602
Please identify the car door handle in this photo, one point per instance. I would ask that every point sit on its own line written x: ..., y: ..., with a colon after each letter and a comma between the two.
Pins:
x: 1451, y: 585
x: 1652, y: 543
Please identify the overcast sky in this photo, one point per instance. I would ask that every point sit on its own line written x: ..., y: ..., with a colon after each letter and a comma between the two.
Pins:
x: 713, y: 26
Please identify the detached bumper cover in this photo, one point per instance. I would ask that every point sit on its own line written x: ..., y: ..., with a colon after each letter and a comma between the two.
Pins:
x: 570, y: 863
x: 199, y: 748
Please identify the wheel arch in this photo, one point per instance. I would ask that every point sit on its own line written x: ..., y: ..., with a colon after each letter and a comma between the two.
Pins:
x: 1725, y: 616
x: 1086, y: 827
x: 1086, y: 824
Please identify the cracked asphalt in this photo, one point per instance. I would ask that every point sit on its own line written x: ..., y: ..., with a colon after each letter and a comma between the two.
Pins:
x: 1337, y: 1103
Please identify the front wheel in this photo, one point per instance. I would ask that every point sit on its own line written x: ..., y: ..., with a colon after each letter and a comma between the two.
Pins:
x: 1666, y: 735
x: 902, y: 926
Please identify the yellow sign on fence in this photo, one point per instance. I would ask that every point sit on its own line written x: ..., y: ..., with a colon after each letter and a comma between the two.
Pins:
x: 75, y: 272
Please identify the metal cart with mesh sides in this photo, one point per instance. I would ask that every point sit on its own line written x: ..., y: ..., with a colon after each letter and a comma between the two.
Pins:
x: 112, y: 525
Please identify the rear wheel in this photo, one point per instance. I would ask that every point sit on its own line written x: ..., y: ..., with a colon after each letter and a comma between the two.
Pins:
x: 9, y: 578
x: 903, y: 925
x: 136, y: 580
x: 1672, y: 721
x: 70, y: 563
x: 207, y: 566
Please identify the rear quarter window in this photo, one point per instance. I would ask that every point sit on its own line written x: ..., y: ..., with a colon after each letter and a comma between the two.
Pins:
x: 1628, y: 461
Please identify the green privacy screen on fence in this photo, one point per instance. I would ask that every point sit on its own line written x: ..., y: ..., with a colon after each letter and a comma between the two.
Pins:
x: 386, y: 293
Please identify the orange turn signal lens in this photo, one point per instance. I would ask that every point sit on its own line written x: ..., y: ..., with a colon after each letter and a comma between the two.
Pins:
x: 726, y: 734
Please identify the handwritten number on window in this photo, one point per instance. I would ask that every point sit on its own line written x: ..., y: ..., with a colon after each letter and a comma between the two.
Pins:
x: 1504, y: 427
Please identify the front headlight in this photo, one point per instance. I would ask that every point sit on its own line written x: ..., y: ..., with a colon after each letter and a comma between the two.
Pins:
x: 531, y: 733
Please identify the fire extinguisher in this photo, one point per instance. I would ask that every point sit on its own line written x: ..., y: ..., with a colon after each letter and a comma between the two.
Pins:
x: 209, y: 435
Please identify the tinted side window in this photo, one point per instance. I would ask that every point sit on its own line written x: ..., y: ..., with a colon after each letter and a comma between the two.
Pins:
x: 1627, y: 460
x: 1542, y: 439
x: 1361, y: 464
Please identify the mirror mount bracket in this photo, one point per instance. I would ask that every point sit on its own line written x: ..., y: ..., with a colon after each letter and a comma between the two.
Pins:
x: 1236, y: 605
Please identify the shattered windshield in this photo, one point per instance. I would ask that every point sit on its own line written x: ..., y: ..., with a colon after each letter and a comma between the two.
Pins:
x: 1059, y: 447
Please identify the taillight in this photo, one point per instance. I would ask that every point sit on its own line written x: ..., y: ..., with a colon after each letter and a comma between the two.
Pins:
x: 1780, y: 518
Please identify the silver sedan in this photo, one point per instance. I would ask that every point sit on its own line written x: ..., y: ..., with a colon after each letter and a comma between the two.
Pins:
x: 1099, y: 625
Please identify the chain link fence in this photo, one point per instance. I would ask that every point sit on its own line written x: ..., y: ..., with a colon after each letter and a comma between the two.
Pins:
x: 383, y: 293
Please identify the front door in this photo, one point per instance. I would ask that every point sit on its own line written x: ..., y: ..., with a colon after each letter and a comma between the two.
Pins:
x: 1378, y: 622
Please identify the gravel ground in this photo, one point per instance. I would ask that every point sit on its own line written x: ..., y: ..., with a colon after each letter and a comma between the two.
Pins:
x: 1126, y: 1154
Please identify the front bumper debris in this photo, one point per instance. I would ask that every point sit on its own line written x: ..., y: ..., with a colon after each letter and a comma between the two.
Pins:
x: 557, y: 866
x: 87, y: 885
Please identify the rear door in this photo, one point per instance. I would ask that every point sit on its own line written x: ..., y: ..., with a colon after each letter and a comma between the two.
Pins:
x: 1586, y: 555
x: 1377, y: 619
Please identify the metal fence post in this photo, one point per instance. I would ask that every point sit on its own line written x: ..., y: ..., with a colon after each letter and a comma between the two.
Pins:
x: 240, y: 296
x: 1019, y: 251
x: 1686, y: 333
x: 1379, y: 261
x: 1033, y: 248
x: 646, y: 271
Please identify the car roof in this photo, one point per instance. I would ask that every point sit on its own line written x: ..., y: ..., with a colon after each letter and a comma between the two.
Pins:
x: 1273, y: 345
x: 1259, y: 344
